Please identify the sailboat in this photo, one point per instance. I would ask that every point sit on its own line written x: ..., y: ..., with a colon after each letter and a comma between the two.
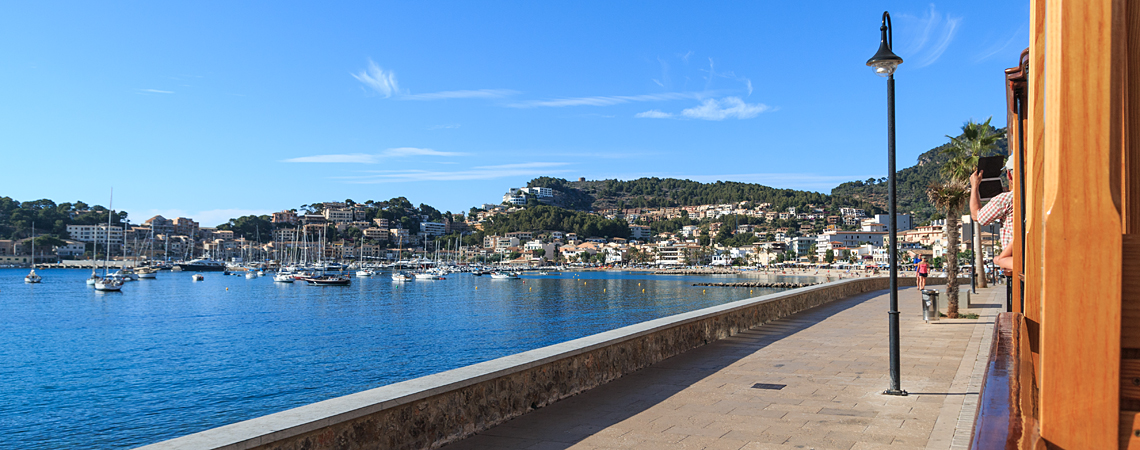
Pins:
x: 32, y: 277
x: 108, y: 284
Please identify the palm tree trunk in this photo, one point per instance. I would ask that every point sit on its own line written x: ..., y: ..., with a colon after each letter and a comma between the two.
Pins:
x: 979, y: 260
x: 952, y: 238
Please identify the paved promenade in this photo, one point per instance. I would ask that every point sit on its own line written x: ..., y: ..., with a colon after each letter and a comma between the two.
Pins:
x: 832, y: 361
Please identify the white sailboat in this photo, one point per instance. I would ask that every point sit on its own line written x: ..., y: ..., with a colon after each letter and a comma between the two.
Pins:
x: 32, y: 277
x: 108, y: 284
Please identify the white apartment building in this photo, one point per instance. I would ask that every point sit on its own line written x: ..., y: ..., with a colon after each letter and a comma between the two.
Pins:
x: 902, y: 220
x: 846, y: 239
x: 338, y: 215
x: 72, y: 248
x: 540, y: 192
x: 433, y: 228
x: 95, y: 233
x: 285, y: 235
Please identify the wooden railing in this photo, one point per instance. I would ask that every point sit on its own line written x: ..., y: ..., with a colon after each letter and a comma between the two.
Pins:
x: 1006, y: 407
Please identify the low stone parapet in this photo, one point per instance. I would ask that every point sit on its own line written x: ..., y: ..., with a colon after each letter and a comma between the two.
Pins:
x: 430, y: 411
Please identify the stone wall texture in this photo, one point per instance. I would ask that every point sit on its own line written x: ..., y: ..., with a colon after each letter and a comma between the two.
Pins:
x: 432, y: 411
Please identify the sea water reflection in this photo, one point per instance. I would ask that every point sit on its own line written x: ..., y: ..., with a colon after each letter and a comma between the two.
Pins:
x: 169, y: 357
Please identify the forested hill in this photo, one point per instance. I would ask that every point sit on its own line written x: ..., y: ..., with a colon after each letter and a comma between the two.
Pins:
x: 912, y: 183
x: 670, y: 192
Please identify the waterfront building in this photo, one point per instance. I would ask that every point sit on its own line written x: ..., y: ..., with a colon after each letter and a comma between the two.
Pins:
x: 380, y: 222
x: 97, y: 233
x: 902, y: 220
x: 71, y: 249
x: 160, y: 225
x: 7, y: 247
x: 184, y: 226
x: 801, y: 245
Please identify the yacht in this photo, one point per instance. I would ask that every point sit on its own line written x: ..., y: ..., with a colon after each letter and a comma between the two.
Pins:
x: 329, y: 280
x: 202, y: 265
x: 109, y: 284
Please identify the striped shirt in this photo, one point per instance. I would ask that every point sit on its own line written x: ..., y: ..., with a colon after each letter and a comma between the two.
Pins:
x: 999, y: 208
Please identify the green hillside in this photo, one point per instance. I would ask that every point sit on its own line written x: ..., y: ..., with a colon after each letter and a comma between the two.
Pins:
x: 912, y: 183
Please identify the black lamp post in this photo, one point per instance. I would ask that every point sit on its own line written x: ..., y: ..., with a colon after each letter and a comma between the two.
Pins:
x: 884, y: 63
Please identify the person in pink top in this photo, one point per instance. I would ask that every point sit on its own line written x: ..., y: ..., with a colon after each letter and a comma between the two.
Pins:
x: 923, y: 271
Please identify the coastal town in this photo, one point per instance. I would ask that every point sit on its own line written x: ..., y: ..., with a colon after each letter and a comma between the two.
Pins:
x: 725, y: 234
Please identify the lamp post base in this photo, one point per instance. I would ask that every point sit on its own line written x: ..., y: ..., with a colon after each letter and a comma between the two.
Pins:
x: 895, y: 392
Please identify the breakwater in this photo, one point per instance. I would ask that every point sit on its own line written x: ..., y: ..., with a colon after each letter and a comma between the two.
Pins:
x: 697, y: 271
x: 779, y: 285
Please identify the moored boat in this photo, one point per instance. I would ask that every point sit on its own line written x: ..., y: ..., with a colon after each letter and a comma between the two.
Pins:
x: 329, y: 280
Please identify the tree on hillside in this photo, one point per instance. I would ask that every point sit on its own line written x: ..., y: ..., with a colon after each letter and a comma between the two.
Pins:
x: 977, y: 140
x: 949, y: 196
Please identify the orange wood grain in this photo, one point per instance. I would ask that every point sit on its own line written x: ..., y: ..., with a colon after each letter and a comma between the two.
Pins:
x: 1081, y: 286
x: 1130, y: 291
x: 1129, y: 427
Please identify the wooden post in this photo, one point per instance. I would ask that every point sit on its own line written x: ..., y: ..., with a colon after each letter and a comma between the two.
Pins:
x: 1080, y: 338
x: 1035, y: 172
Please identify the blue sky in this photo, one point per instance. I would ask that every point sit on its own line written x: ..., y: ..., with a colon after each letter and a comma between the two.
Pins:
x: 217, y: 109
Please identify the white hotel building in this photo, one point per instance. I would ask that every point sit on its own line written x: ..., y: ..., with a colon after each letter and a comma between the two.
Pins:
x: 95, y: 233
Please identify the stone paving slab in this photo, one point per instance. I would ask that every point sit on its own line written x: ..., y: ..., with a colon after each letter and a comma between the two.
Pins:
x: 832, y: 361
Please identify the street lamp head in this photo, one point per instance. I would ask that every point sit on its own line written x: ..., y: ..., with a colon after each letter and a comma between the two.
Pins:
x: 885, y: 61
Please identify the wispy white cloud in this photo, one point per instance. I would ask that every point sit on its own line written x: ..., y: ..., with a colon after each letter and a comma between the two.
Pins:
x: 729, y: 107
x: 605, y: 100
x: 380, y: 80
x: 384, y: 83
x: 922, y: 40
x: 478, y: 93
x: 371, y: 158
x: 713, y: 75
x: 653, y: 114
x: 474, y: 173
x: 155, y: 91
x: 712, y: 109
x: 1018, y: 40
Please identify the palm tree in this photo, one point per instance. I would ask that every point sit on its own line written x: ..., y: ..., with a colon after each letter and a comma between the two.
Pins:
x: 949, y: 197
x: 976, y: 140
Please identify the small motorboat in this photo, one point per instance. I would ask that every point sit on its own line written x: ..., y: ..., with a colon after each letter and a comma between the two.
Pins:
x: 250, y: 275
x: 365, y: 273
x: 283, y: 277
x: 32, y: 277
x: 401, y: 276
x: 148, y: 273
x: 197, y: 277
x: 504, y: 275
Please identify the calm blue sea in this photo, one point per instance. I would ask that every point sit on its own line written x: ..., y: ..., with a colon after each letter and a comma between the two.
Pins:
x: 169, y: 357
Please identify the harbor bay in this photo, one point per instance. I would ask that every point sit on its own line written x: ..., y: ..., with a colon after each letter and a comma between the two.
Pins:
x: 170, y: 356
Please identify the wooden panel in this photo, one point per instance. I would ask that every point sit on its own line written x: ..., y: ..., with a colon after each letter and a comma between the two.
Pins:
x: 1081, y: 287
x: 1130, y: 293
x: 1129, y: 430
x: 1034, y: 167
x: 1130, y: 378
x: 1130, y: 92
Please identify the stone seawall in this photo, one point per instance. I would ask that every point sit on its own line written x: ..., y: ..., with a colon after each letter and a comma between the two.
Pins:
x: 431, y: 411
